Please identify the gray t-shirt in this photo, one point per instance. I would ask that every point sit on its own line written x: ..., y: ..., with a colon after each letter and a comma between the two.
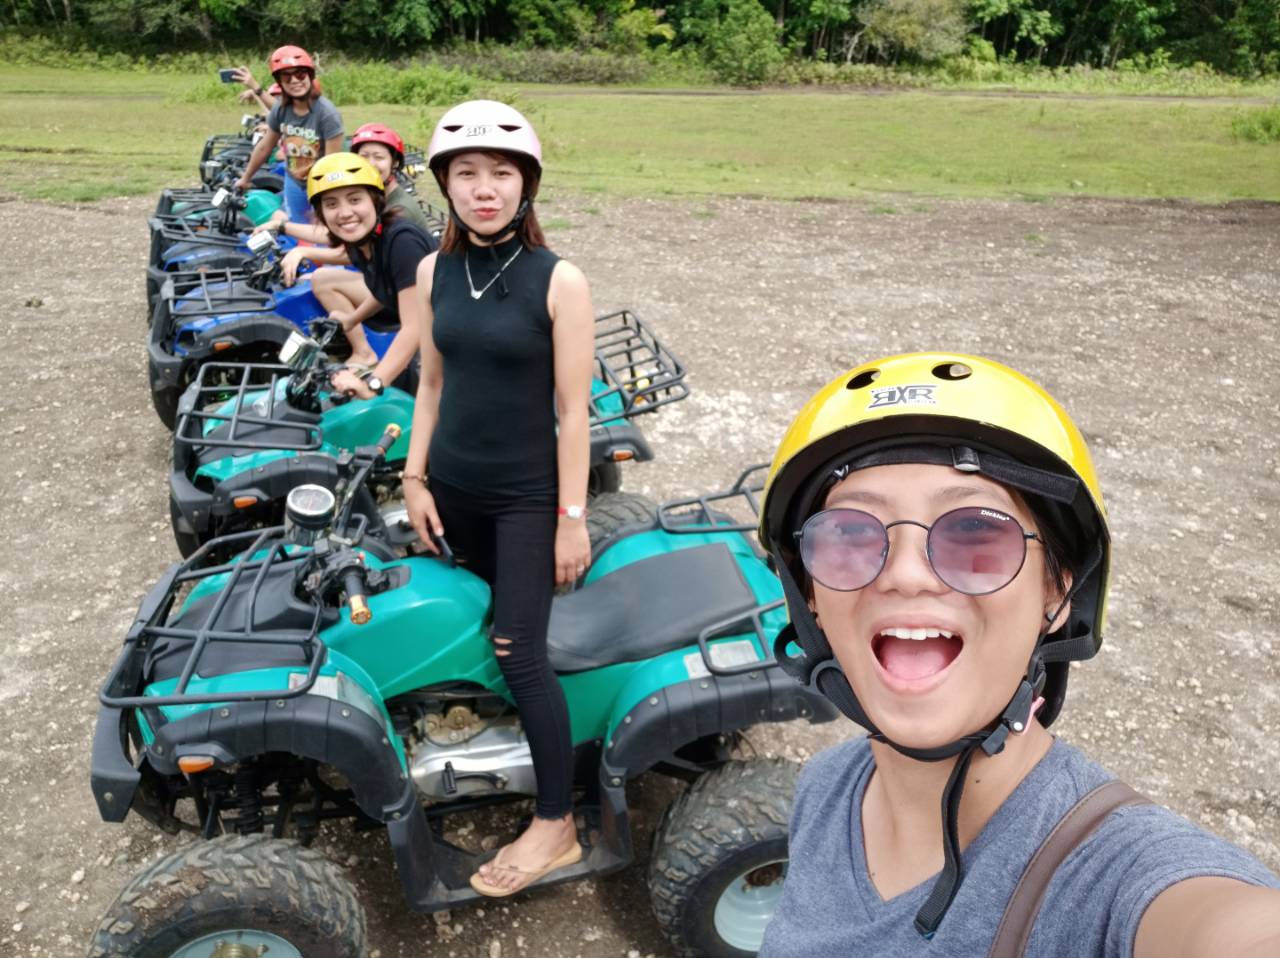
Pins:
x: 1092, y: 908
x: 302, y: 138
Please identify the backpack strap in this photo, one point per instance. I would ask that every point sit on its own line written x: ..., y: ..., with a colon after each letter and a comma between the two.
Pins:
x: 1081, y: 821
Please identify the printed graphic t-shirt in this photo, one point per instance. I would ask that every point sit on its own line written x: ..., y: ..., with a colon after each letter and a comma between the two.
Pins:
x: 302, y: 138
x: 1093, y: 905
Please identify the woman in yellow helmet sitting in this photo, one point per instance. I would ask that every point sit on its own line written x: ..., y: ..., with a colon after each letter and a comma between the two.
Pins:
x: 347, y: 195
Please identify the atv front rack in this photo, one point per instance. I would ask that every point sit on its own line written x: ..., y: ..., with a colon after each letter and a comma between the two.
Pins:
x: 694, y: 515
x: 220, y: 383
x: 215, y: 292
x: 261, y: 556
x: 182, y: 283
x: 176, y: 228
x: 199, y: 196
x: 215, y: 152
x: 638, y: 371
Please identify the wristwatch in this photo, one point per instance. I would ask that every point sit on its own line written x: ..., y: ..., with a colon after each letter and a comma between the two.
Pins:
x: 572, y: 512
x: 374, y: 383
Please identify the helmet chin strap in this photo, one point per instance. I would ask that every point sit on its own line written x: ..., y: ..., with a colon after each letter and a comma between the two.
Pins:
x: 513, y: 225
x: 819, y: 669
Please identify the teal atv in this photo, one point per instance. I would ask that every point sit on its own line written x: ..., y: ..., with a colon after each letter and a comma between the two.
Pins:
x: 248, y: 433
x: 318, y: 676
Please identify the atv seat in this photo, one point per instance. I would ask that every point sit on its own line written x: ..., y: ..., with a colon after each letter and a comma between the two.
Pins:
x: 647, y: 608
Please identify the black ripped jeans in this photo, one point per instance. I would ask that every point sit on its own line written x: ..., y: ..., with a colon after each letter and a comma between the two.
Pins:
x: 511, y: 543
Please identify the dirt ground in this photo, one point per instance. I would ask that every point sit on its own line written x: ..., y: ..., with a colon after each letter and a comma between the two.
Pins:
x: 1155, y: 324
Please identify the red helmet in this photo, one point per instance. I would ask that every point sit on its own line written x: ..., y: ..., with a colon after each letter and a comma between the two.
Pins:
x: 377, y: 133
x: 291, y: 57
x: 274, y: 89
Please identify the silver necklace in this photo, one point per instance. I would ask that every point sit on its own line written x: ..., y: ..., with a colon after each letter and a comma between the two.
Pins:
x: 477, y: 293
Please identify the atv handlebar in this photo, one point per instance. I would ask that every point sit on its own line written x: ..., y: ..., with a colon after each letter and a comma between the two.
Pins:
x: 367, y: 458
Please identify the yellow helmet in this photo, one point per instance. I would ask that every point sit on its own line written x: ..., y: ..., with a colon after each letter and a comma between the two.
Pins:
x: 978, y: 416
x: 337, y: 170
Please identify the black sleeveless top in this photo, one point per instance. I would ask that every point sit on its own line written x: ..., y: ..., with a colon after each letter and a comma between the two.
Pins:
x: 496, y: 434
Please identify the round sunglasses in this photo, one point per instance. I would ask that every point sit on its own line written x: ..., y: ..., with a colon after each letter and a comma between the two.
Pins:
x: 973, y: 550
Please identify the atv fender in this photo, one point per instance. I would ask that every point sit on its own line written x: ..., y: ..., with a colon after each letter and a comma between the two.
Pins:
x: 238, y: 331
x: 311, y: 726
x: 673, y: 716
x: 113, y: 777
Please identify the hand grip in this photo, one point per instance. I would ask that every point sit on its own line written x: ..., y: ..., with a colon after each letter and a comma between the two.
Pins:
x: 353, y: 585
x: 389, y: 437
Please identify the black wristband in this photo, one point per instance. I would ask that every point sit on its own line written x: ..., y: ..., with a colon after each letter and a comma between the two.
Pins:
x: 258, y: 92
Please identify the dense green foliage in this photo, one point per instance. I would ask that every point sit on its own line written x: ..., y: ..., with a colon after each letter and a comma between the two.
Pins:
x: 740, y: 41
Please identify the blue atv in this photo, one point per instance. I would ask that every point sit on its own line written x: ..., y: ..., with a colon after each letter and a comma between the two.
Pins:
x: 321, y: 676
x: 204, y: 234
x: 247, y: 434
x: 240, y: 314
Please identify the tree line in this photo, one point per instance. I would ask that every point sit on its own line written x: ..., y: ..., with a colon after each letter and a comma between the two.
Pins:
x: 1240, y: 37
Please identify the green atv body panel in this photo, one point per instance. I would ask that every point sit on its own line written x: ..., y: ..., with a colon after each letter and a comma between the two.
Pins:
x: 259, y: 205
x: 345, y: 427
x: 433, y: 629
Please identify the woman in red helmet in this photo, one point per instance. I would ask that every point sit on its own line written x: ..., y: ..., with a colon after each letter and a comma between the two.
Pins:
x: 940, y: 535
x: 304, y: 123
x: 501, y: 419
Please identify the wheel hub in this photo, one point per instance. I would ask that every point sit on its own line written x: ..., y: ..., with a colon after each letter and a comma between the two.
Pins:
x: 226, y: 949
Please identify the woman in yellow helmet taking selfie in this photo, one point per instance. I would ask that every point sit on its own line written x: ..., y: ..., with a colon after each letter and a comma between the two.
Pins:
x: 940, y: 534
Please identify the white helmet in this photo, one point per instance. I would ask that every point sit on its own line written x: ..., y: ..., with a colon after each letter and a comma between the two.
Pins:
x: 482, y: 125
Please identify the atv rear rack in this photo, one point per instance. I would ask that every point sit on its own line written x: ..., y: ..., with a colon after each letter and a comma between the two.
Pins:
x: 223, y: 382
x: 639, y: 372
x: 696, y: 515
x: 734, y: 626
x: 264, y: 552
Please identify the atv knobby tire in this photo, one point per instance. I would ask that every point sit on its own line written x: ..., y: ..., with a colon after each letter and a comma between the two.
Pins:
x: 615, y: 514
x: 235, y: 883
x: 610, y: 517
x: 604, y: 477
x: 728, y: 831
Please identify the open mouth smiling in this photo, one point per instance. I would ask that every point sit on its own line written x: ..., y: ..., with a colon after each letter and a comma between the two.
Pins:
x: 915, y: 658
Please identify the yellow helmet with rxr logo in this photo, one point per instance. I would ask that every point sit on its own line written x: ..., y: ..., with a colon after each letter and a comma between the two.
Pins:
x: 974, y: 416
x: 977, y: 416
x: 337, y: 170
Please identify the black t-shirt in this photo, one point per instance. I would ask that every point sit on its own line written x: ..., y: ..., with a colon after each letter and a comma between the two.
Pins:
x: 393, y: 268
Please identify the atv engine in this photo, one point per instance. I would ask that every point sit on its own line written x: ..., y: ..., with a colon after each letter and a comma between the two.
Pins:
x: 459, y: 754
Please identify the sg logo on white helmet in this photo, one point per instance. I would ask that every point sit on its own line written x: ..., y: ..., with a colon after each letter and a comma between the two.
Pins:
x: 484, y: 129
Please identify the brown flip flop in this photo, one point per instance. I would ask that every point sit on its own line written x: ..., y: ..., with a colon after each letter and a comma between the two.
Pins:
x: 527, y: 876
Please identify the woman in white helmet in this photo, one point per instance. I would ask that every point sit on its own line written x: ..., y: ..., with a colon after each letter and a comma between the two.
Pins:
x: 501, y: 428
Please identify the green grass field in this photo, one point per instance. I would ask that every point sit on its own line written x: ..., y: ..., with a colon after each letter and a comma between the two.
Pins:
x: 88, y: 134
